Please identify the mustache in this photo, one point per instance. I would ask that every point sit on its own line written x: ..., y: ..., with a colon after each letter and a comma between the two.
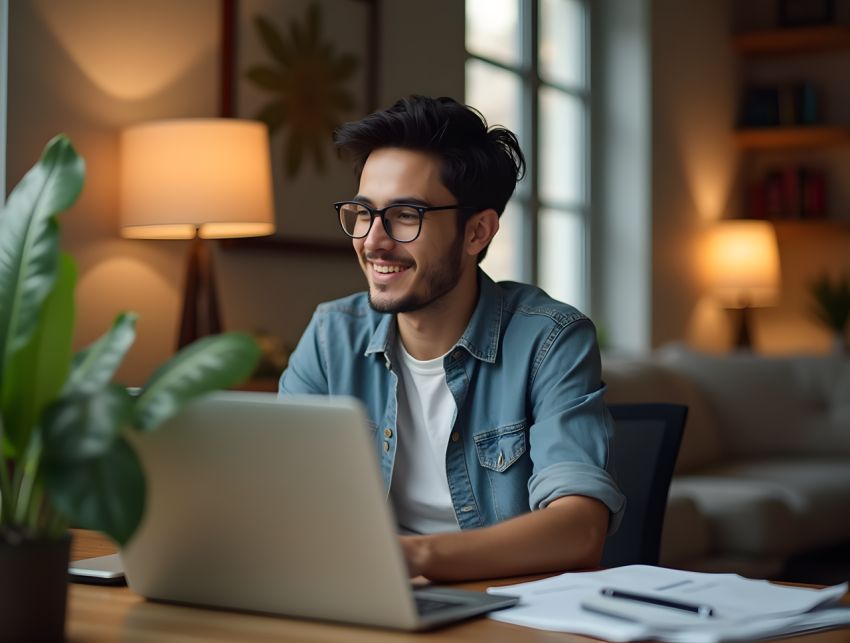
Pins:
x: 404, y: 261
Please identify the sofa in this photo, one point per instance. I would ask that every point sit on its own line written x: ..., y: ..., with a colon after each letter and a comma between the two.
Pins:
x: 763, y: 472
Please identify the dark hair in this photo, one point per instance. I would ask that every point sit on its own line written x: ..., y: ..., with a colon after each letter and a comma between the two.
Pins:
x: 479, y: 165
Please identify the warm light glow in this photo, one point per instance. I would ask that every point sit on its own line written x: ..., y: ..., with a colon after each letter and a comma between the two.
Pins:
x: 233, y: 230
x: 177, y: 231
x: 133, y: 50
x: 213, y: 174
x: 744, y: 263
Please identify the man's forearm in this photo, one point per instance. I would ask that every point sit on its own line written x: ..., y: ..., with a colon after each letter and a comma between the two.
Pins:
x: 568, y: 534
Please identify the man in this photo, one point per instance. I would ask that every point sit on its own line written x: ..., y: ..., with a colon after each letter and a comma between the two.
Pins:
x: 486, y: 399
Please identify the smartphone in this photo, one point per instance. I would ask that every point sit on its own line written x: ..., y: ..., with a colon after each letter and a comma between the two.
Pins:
x: 103, y: 570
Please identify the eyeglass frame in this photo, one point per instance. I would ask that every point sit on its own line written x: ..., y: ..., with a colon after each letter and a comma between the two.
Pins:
x: 421, y: 210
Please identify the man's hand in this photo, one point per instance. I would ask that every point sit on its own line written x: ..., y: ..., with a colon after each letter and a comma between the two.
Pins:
x: 568, y: 534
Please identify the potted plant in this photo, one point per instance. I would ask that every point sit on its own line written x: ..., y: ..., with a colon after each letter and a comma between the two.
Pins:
x: 832, y: 307
x: 65, y: 459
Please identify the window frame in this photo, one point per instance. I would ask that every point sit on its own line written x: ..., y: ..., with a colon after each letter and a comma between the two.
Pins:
x: 528, y: 194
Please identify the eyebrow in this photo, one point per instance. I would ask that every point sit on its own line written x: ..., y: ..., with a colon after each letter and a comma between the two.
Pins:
x: 408, y: 200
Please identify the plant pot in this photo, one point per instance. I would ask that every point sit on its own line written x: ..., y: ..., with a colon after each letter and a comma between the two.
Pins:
x: 33, y: 589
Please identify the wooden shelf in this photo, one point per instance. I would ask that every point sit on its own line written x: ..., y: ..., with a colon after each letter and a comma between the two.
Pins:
x: 801, y: 39
x: 786, y: 138
x: 831, y: 225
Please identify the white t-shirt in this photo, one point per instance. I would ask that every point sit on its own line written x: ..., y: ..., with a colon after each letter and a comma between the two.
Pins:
x: 419, y: 489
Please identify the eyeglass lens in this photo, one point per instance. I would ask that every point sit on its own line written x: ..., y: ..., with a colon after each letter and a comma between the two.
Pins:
x: 401, y: 222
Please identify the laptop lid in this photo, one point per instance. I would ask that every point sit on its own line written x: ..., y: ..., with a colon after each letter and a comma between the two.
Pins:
x: 269, y: 505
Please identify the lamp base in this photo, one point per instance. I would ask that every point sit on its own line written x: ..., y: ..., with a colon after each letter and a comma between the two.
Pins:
x: 200, y: 303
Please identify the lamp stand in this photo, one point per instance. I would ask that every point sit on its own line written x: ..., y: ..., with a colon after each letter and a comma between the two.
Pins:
x: 744, y: 342
x: 200, y: 303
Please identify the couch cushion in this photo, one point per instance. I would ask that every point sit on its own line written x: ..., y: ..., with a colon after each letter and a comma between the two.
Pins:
x: 772, y: 507
x: 764, y: 407
x: 745, y: 517
x: 685, y: 536
x: 767, y: 567
x: 636, y: 381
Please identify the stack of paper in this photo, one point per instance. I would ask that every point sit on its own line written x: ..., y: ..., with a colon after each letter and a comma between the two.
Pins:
x: 741, y: 609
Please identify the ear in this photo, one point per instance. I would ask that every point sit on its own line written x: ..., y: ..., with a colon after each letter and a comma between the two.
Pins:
x: 480, y: 230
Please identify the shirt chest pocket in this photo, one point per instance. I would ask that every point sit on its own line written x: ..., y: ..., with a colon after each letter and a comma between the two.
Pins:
x: 500, y: 448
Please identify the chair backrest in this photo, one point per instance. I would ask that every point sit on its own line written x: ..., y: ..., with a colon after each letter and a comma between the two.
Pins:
x: 647, y: 438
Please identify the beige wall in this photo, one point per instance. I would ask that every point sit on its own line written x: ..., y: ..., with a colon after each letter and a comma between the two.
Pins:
x: 92, y: 67
x: 694, y: 166
x: 699, y: 177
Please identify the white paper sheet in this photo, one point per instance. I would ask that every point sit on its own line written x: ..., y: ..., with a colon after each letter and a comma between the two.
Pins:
x: 744, y: 609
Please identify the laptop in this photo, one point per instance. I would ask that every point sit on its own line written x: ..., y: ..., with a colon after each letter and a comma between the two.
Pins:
x: 277, y: 506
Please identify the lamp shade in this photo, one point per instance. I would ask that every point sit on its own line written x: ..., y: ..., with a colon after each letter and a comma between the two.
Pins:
x: 211, y: 175
x: 744, y: 263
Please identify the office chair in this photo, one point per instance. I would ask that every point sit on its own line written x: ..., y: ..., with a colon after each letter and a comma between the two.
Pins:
x: 647, y: 438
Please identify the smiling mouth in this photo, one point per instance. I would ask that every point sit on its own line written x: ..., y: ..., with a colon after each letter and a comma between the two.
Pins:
x: 388, y: 269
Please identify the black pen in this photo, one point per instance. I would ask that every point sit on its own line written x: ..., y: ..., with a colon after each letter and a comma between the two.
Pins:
x: 700, y: 610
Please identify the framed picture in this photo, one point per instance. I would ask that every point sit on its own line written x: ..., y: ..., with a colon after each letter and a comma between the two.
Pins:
x: 806, y: 13
x: 303, y: 67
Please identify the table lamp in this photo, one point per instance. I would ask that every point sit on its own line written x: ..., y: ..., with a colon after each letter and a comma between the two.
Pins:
x: 744, y: 264
x: 196, y: 179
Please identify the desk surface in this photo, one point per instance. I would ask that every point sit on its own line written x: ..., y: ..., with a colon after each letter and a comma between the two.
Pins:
x: 100, y: 614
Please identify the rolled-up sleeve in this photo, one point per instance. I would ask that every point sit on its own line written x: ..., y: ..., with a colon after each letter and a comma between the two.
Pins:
x: 306, y: 373
x: 572, y: 435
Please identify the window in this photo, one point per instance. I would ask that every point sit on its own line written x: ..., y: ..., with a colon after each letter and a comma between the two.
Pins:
x: 528, y: 70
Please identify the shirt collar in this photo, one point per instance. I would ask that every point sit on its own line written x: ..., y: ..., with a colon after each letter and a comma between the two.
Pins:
x: 481, y: 337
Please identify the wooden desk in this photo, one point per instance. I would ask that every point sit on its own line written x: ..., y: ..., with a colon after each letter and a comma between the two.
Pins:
x: 101, y: 614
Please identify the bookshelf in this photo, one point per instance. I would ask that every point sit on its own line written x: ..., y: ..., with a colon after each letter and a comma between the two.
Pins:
x: 789, y: 138
x: 793, y: 42
x: 799, y: 40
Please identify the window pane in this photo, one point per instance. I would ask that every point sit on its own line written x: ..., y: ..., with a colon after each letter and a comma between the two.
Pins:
x: 503, y: 262
x: 495, y: 93
x: 562, y: 42
x: 492, y: 30
x: 561, y: 147
x: 561, y: 256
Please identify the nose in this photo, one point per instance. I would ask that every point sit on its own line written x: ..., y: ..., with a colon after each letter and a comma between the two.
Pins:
x: 378, y: 240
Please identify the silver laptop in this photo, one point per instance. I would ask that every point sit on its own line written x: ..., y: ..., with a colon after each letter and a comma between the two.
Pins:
x: 277, y: 506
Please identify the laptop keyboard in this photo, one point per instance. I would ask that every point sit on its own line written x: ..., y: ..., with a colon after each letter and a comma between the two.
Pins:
x: 427, y: 606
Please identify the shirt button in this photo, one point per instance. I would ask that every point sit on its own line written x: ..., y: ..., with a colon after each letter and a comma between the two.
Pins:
x: 456, y: 355
x: 455, y: 436
x: 467, y: 509
x: 388, y: 433
x: 501, y: 460
x: 386, y: 446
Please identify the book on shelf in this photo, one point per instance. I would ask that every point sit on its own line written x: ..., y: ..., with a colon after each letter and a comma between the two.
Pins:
x: 789, y: 193
x: 786, y: 105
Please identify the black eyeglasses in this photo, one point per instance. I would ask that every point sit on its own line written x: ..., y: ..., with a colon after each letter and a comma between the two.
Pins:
x: 402, y: 222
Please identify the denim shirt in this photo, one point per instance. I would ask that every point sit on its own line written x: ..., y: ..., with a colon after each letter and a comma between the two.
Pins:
x: 531, y: 424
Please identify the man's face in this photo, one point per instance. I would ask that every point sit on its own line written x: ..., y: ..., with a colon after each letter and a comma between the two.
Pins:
x: 405, y: 277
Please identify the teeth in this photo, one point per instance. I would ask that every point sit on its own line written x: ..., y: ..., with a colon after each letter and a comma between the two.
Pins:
x: 386, y: 269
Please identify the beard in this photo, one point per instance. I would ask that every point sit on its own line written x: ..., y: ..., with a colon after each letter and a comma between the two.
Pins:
x: 438, y: 281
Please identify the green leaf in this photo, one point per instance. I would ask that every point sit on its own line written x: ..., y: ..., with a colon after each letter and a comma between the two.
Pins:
x: 273, y: 42
x: 274, y: 115
x: 93, y: 367
x: 85, y: 425
x: 211, y: 363
x: 266, y: 78
x: 105, y: 493
x: 343, y: 67
x: 29, y: 242
x: 36, y: 372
